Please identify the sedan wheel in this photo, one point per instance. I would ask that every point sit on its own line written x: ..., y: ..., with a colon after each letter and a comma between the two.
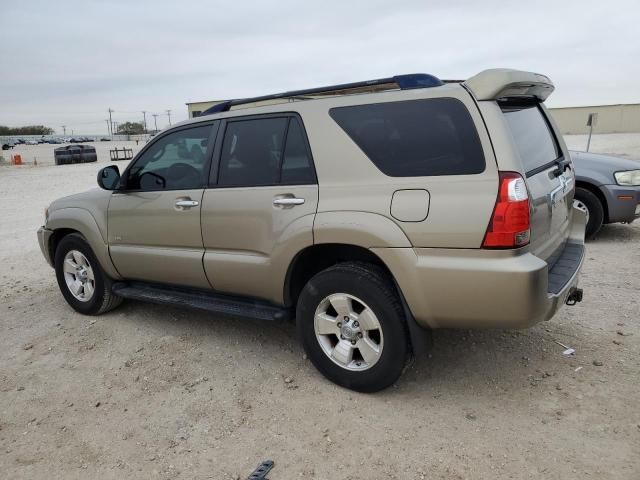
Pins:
x: 580, y: 205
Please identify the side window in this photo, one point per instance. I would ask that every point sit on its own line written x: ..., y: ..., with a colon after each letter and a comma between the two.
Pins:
x: 415, y: 138
x: 297, y: 168
x: 174, y: 162
x: 251, y: 152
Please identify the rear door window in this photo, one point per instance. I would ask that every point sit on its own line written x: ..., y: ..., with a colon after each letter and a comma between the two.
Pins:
x: 263, y: 152
x: 297, y: 167
x: 532, y: 135
x: 415, y: 138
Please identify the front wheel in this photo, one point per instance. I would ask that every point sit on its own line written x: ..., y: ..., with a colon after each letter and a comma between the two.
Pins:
x: 352, y: 326
x: 82, y: 281
x: 589, y: 203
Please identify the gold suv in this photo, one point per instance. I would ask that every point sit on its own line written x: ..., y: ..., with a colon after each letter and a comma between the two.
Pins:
x: 367, y: 212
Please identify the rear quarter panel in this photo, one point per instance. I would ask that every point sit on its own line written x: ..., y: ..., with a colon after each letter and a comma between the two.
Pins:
x: 460, y: 205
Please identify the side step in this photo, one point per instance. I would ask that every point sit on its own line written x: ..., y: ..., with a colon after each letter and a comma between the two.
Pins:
x: 225, y: 305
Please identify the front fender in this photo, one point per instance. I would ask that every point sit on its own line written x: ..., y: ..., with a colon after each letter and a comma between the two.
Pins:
x: 82, y: 221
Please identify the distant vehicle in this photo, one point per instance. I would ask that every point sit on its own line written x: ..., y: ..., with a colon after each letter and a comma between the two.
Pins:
x: 105, y: 139
x: 43, y: 140
x: 8, y: 145
x: 607, y: 189
x: 53, y: 141
x: 76, y: 140
x: 31, y: 142
x: 19, y: 141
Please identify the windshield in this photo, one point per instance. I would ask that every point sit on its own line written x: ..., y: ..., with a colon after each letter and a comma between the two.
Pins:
x: 532, y: 135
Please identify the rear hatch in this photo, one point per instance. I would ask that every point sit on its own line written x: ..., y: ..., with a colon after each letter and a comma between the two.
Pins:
x: 548, y: 174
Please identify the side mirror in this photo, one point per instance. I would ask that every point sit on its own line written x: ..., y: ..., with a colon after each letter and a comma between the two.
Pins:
x: 109, y: 177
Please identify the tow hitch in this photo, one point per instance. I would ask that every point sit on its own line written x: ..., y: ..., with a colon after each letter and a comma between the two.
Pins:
x: 575, y: 296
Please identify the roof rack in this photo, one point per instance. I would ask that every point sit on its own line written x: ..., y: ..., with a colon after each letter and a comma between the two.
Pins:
x: 403, y: 82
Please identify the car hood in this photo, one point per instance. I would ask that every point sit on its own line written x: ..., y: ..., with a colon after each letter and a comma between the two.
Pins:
x: 599, y: 168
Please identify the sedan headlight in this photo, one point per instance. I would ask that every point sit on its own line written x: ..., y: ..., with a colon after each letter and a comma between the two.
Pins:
x: 628, y: 177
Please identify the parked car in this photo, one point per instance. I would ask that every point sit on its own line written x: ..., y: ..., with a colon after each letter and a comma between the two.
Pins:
x: 31, y: 141
x: 8, y: 144
x: 369, y: 218
x: 105, y: 139
x: 607, y: 189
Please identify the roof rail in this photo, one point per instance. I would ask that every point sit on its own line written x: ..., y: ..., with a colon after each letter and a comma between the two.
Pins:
x: 403, y: 82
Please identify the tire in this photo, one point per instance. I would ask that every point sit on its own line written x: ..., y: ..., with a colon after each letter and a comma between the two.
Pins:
x: 75, y: 248
x: 364, y: 285
x: 589, y: 202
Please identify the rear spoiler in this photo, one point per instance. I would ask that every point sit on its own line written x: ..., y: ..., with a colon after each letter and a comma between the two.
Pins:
x: 503, y: 83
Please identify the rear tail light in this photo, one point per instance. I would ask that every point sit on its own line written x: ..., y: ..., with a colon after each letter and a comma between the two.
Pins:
x: 509, y: 226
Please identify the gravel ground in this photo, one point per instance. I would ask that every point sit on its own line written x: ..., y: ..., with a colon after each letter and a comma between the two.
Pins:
x: 151, y: 391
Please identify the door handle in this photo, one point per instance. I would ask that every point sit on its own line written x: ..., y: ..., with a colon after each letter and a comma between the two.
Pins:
x: 288, y: 201
x: 187, y: 203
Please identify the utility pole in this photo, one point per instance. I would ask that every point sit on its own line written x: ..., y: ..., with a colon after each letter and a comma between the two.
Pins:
x: 110, y: 123
x: 144, y: 116
x: 64, y: 130
x: 169, y: 115
x: 155, y: 122
x: 108, y: 127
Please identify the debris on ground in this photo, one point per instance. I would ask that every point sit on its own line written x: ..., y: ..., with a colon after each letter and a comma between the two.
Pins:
x: 567, y: 349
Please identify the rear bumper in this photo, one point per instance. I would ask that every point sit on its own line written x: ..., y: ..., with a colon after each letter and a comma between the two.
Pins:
x: 622, y: 203
x: 43, y: 239
x: 449, y: 288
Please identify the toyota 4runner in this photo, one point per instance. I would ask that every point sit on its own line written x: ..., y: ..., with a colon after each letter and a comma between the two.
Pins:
x: 367, y: 212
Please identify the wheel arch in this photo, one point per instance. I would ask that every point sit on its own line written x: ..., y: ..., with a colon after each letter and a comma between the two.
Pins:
x: 315, y: 258
x: 598, y: 193
x: 66, y: 221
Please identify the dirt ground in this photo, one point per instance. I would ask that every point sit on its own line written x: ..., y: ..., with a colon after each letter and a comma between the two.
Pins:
x: 155, y: 392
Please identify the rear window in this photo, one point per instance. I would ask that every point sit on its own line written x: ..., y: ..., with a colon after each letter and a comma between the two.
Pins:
x: 532, y: 135
x: 415, y: 138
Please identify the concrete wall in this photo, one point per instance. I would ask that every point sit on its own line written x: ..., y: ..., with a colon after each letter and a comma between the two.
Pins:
x: 611, y: 118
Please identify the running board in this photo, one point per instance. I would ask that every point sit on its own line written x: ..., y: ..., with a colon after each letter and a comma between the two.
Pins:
x: 225, y: 305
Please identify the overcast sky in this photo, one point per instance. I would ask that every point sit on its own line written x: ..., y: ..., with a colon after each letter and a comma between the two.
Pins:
x: 67, y: 62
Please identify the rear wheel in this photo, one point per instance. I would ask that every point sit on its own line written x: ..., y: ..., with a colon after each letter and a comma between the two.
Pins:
x: 589, y: 203
x: 82, y: 281
x: 352, y: 327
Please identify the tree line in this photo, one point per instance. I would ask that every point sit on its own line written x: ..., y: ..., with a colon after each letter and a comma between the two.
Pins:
x: 28, y: 130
